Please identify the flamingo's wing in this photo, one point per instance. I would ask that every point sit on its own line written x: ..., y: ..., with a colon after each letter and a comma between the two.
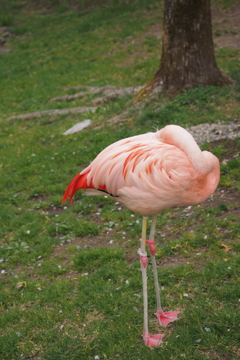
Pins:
x: 137, y: 167
x: 110, y: 170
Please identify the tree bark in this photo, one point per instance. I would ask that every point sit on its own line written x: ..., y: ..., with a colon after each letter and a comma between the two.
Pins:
x: 188, y: 58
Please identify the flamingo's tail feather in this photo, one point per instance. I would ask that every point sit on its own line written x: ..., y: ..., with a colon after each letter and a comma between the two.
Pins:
x: 78, y: 182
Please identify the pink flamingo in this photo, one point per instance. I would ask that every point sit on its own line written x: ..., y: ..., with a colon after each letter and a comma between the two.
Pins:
x: 149, y: 173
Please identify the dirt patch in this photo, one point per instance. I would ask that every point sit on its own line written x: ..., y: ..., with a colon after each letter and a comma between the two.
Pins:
x: 223, y: 196
x: 231, y: 148
x: 214, y: 355
x: 172, y: 261
x: 226, y: 27
x: 38, y: 198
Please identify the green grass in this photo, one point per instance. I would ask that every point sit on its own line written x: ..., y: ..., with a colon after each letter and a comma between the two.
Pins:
x: 71, y: 285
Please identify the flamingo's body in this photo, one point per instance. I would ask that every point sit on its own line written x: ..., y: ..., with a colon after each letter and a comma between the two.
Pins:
x: 149, y: 173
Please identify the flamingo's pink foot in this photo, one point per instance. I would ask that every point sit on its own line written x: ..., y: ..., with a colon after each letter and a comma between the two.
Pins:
x: 153, y: 340
x: 164, y: 318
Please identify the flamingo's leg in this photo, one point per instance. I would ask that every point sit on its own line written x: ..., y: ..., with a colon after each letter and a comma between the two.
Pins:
x: 150, y: 340
x: 164, y: 318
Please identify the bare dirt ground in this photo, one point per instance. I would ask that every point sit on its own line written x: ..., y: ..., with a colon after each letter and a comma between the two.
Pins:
x: 226, y: 27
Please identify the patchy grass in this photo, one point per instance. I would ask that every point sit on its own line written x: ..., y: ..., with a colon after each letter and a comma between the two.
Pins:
x: 71, y: 285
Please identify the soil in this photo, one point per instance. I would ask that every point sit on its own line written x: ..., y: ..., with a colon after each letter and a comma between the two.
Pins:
x: 226, y: 27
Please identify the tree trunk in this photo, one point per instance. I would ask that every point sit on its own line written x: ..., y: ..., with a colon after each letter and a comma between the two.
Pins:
x: 188, y: 58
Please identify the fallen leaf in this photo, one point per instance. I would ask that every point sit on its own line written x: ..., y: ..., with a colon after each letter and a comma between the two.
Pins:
x: 20, y: 285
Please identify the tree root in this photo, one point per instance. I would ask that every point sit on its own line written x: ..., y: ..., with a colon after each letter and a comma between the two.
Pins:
x: 149, y: 90
x: 158, y: 86
x: 35, y: 115
x: 110, y: 92
x: 115, y: 120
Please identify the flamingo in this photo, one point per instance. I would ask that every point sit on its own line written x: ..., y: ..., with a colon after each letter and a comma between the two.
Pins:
x: 149, y: 173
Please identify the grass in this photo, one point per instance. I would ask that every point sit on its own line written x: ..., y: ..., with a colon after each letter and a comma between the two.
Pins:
x: 71, y: 285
